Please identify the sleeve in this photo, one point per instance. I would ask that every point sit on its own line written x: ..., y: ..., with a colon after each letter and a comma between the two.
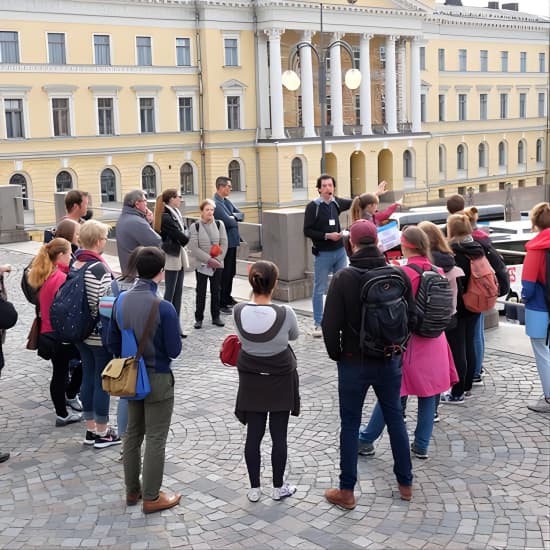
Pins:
x: 171, y: 229
x: 223, y: 240
x: 310, y: 221
x: 343, y: 204
x: 194, y: 246
x: 529, y: 276
x: 334, y: 318
x: 98, y: 282
x: 146, y: 236
x: 382, y: 216
x: 170, y: 329
x: 239, y: 216
x: 220, y: 213
x: 294, y: 331
x: 8, y: 314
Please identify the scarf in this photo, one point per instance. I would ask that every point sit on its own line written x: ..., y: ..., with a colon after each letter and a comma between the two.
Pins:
x: 176, y: 214
x: 90, y: 256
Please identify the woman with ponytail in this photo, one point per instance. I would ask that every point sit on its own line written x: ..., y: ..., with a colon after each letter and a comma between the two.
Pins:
x: 48, y: 272
x: 268, y: 379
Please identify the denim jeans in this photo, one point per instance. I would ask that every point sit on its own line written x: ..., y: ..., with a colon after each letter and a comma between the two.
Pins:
x: 542, y: 359
x: 173, y: 288
x: 325, y: 263
x: 479, y: 345
x: 95, y: 401
x: 353, y: 382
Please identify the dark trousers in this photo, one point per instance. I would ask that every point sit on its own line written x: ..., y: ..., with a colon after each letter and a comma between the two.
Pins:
x: 353, y: 382
x: 61, y: 384
x: 173, y: 287
x: 461, y: 342
x: 229, y: 270
x: 278, y: 426
x: 200, y: 290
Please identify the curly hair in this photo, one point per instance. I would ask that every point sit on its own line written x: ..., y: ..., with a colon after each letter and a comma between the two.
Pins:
x: 43, y: 264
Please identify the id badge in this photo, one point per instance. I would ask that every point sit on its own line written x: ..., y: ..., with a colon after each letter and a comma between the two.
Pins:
x: 332, y: 222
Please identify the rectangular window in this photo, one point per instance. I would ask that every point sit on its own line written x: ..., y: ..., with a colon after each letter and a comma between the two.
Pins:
x: 541, y: 104
x: 522, y: 62
x: 300, y: 120
x: 422, y: 51
x: 144, y: 55
x: 102, y: 49
x: 441, y: 102
x: 462, y: 107
x: 233, y: 112
x: 504, y: 62
x: 462, y: 60
x: 183, y: 52
x: 522, y: 105
x: 231, y: 51
x: 422, y: 107
x: 382, y: 56
x: 483, y: 60
x: 329, y: 109
x: 185, y: 106
x: 441, y: 59
x: 357, y: 110
x: 60, y: 113
x: 56, y: 48
x: 147, y: 114
x: 503, y: 105
x: 356, y: 58
x: 105, y: 116
x: 9, y: 47
x: 542, y: 62
x: 14, y: 118
x: 483, y: 106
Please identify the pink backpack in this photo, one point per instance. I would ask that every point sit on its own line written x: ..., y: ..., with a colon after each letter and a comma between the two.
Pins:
x: 482, y: 292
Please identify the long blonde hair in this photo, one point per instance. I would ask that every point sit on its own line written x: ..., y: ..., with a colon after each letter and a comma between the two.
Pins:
x: 43, y: 264
x: 435, y: 236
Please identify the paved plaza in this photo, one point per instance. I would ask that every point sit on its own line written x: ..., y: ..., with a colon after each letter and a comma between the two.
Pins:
x: 485, y: 485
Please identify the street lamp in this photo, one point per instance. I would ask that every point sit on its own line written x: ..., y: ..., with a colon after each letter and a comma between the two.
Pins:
x: 291, y: 81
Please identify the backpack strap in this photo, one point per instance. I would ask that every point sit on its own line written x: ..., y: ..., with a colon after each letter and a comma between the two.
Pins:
x: 280, y: 312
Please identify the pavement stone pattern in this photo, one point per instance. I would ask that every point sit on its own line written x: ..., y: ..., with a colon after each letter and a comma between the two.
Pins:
x: 485, y: 485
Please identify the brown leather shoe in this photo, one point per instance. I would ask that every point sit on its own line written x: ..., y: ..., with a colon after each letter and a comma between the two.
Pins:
x: 406, y: 491
x: 132, y: 498
x: 163, y: 502
x: 343, y: 498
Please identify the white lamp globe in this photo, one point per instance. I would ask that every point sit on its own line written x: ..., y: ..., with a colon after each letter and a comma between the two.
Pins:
x: 353, y: 79
x: 290, y: 80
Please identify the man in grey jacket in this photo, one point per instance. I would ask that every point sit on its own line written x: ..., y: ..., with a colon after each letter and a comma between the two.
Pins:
x: 134, y: 227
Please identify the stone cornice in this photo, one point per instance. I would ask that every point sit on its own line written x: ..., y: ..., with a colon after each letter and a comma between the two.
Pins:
x: 95, y: 69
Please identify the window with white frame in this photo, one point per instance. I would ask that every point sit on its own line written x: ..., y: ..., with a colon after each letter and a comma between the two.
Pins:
x: 381, y: 57
x: 299, y: 111
x: 56, y: 48
x: 108, y: 185
x: 234, y: 173
x: 504, y: 61
x: 522, y: 62
x: 422, y: 53
x: 63, y: 181
x: 462, y: 60
x: 542, y: 62
x: 20, y: 179
x: 183, y: 52
x: 149, y: 181
x: 522, y: 105
x: 442, y: 158
x: 503, y: 105
x: 143, y: 51
x: 15, y: 125
x: 441, y: 107
x: 233, y: 112
x: 502, y: 154
x: 460, y: 157
x: 521, y: 152
x: 147, y: 115
x: 483, y: 60
x: 441, y: 59
x: 541, y: 104
x: 102, y: 49
x: 9, y: 47
x: 538, y: 151
x: 356, y: 58
x: 483, y: 101
x: 231, y: 51
x: 357, y: 109
x: 185, y: 111
x: 105, y: 116
x: 482, y: 155
x: 328, y: 109
x: 407, y: 164
x: 61, y: 116
x: 462, y: 107
x: 297, y: 169
x: 423, y: 107
x: 186, y: 178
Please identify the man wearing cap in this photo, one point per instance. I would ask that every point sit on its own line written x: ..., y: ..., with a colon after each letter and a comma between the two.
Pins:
x: 341, y: 327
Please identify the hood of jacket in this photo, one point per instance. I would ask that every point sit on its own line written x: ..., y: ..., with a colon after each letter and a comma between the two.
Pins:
x: 541, y: 241
x: 468, y: 247
x: 444, y: 260
x: 367, y: 257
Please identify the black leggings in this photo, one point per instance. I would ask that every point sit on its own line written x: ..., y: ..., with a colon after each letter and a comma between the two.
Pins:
x: 60, y: 383
x: 278, y: 424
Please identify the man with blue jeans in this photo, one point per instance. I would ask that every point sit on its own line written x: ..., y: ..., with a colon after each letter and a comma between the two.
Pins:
x: 356, y: 373
x: 322, y: 226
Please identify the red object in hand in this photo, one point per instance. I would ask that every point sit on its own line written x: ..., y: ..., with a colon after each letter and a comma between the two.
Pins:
x: 215, y: 250
x: 229, y: 352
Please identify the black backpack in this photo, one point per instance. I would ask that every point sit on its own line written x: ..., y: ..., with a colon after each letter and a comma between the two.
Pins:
x: 433, y: 302
x: 387, y: 311
x: 31, y: 293
x: 500, y: 268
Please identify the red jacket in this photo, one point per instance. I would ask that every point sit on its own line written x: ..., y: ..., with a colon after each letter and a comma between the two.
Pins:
x: 47, y: 293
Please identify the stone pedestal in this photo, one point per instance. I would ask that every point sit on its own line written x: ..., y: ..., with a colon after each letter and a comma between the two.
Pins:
x: 12, y: 222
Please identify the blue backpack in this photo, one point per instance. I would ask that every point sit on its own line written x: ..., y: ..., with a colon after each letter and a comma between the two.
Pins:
x: 70, y: 313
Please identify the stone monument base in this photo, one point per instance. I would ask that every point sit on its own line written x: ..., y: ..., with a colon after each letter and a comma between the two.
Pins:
x: 288, y: 291
x: 13, y: 236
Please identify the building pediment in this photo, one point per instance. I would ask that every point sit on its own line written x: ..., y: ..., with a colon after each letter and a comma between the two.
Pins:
x: 233, y: 84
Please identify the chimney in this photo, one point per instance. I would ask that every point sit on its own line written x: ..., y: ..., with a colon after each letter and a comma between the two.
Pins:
x: 493, y: 5
x: 453, y: 2
x: 514, y: 6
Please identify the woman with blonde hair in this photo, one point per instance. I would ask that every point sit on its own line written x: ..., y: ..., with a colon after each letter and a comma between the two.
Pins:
x: 48, y: 272
x: 169, y: 224
x: 533, y: 292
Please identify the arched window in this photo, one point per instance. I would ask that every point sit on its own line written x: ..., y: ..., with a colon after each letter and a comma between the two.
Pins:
x: 521, y: 152
x: 297, y: 173
x: 482, y: 155
x: 234, y: 172
x: 186, y: 179
x: 460, y: 157
x: 502, y: 154
x: 441, y: 159
x: 108, y: 186
x: 19, y: 179
x: 538, y: 153
x: 63, y: 181
x: 407, y: 164
x: 149, y: 181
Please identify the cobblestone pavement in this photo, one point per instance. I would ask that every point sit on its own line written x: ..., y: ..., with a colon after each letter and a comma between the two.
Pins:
x: 485, y: 485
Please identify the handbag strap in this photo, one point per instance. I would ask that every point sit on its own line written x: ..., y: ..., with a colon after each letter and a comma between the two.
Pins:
x: 147, y: 329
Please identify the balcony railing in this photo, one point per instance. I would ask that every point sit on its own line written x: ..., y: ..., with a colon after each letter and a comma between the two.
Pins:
x: 297, y: 132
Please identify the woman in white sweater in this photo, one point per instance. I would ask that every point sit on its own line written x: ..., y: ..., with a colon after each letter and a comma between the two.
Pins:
x: 208, y: 246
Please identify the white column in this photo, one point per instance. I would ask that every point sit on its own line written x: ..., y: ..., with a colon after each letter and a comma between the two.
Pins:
x: 263, y: 85
x: 336, y: 109
x: 390, y: 85
x: 275, y: 84
x: 401, y: 81
x: 415, y: 85
x: 306, y: 78
x: 364, y: 91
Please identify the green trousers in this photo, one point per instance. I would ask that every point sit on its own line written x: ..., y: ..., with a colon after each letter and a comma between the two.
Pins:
x: 150, y: 419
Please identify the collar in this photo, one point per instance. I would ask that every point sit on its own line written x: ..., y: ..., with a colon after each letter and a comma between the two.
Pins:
x: 146, y: 284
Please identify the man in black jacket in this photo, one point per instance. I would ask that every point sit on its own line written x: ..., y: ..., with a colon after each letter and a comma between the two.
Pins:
x: 356, y: 373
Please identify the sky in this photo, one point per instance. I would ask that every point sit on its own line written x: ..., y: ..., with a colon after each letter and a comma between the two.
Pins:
x: 539, y: 7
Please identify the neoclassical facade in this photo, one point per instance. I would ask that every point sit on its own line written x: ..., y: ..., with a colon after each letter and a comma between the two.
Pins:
x: 176, y: 92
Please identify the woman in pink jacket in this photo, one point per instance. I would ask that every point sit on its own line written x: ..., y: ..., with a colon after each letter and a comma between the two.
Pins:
x: 428, y: 367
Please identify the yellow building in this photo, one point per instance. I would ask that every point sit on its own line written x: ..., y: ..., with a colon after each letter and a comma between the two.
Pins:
x: 106, y: 96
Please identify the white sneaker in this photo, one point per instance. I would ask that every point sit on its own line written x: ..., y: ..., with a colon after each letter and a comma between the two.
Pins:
x: 541, y: 406
x: 69, y: 419
x: 281, y: 492
x: 254, y: 494
x: 317, y: 332
x: 74, y: 403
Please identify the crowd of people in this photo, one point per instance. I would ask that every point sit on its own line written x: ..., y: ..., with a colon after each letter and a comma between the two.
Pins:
x: 152, y: 247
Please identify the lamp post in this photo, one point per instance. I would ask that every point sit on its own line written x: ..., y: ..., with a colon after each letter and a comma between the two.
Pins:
x: 291, y: 81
